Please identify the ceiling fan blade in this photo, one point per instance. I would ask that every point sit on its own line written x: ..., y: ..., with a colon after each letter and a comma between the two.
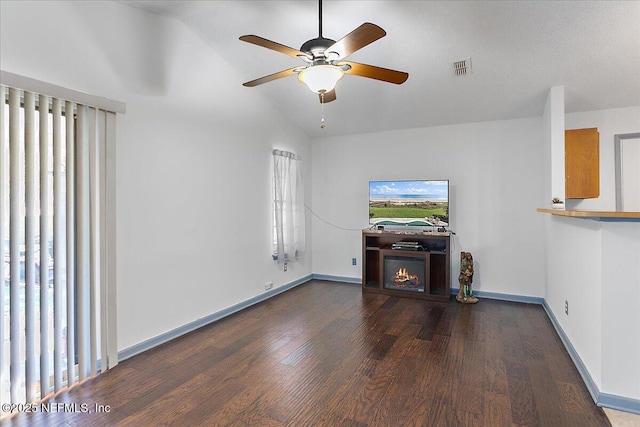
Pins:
x: 373, y: 72
x: 270, y: 77
x: 260, y: 41
x: 328, y: 97
x: 356, y: 39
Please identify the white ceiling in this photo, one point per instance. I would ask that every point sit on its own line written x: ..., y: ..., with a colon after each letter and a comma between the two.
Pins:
x: 518, y: 50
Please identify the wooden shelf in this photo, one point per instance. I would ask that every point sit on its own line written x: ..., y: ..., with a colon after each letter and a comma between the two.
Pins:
x: 591, y: 214
x: 407, y: 233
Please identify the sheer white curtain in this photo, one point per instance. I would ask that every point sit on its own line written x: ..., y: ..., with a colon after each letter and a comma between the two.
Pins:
x: 288, y: 198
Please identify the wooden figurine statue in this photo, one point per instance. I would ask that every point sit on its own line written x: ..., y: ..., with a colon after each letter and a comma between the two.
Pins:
x: 465, y: 293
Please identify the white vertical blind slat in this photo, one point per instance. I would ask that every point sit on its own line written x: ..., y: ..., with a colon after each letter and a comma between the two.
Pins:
x: 102, y: 244
x: 58, y: 245
x: 108, y: 258
x: 30, y: 236
x: 70, y: 241
x: 43, y: 102
x: 4, y: 200
x: 82, y: 261
x: 94, y: 254
x: 15, y: 224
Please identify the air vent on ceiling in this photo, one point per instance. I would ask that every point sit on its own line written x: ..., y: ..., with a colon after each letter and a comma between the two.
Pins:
x: 462, y: 67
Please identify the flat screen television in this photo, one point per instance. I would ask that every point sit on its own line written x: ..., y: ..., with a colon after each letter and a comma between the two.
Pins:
x: 409, y: 203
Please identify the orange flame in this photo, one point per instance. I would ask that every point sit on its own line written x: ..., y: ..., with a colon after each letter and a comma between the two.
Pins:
x: 403, y: 275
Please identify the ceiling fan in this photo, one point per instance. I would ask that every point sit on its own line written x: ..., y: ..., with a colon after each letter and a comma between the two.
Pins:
x: 324, y: 60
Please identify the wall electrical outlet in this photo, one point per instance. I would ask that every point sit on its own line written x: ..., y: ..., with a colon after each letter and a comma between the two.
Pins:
x: 354, y: 261
x: 268, y: 286
x: 566, y: 307
x: 285, y: 266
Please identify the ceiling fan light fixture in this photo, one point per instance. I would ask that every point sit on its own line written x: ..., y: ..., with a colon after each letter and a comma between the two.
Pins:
x: 321, y: 78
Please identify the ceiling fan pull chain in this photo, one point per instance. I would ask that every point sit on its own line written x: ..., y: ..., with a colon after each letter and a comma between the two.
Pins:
x: 322, y: 124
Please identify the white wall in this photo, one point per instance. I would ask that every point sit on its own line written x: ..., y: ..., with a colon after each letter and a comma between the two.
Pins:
x: 574, y: 274
x: 620, y: 296
x: 617, y: 287
x: 193, y: 156
x: 496, y: 183
x: 553, y: 130
x: 593, y: 264
x: 568, y: 282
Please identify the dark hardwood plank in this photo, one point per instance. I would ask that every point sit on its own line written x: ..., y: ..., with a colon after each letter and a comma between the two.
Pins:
x: 431, y: 323
x: 495, y: 375
x: 497, y: 409
x: 523, y: 405
x: 324, y: 354
x: 366, y: 401
x: 382, y: 347
x: 447, y: 321
x: 546, y: 393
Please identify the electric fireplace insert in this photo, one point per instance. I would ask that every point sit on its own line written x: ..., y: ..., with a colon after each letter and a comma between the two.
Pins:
x: 404, y: 273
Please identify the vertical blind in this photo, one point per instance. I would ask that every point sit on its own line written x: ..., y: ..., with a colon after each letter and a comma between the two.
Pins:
x: 54, y: 234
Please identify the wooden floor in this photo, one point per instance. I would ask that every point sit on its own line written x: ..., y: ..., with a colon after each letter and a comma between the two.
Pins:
x: 325, y: 354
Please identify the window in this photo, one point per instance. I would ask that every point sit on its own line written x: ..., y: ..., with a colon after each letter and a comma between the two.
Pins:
x: 56, y: 325
x: 288, y: 207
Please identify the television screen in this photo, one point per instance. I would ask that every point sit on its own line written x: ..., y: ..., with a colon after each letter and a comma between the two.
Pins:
x: 409, y: 203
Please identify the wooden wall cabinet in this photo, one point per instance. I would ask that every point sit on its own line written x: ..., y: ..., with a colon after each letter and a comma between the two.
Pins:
x: 376, y: 244
x: 582, y: 163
